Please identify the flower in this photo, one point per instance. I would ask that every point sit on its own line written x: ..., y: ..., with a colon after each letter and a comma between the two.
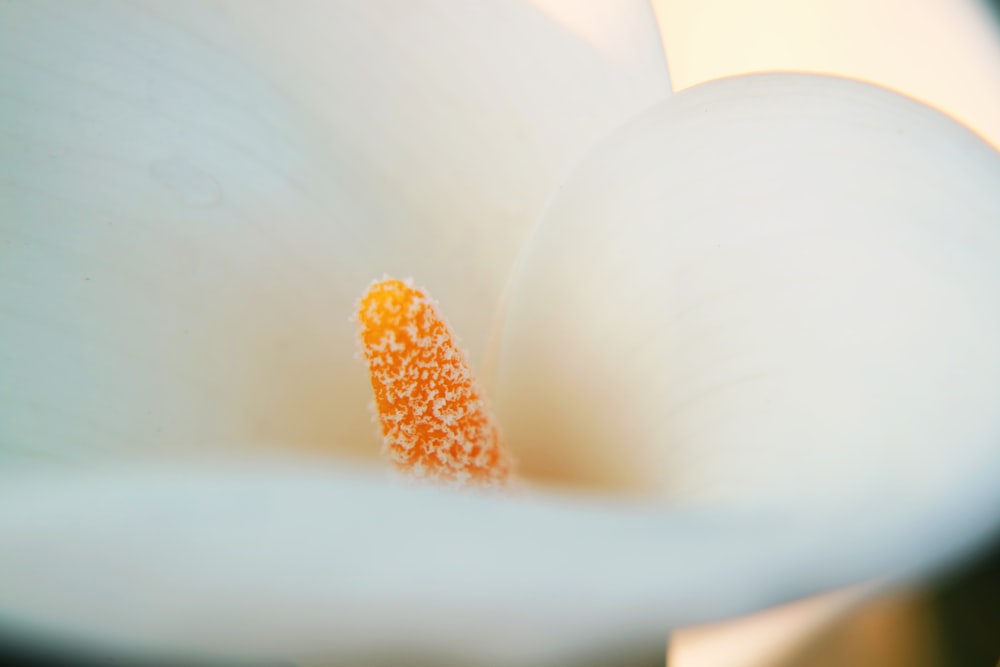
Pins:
x: 191, y: 208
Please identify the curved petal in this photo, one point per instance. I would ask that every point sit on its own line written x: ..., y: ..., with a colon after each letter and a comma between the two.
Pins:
x: 465, y: 115
x: 184, y: 232
x: 287, y: 561
x: 180, y: 254
x: 775, y: 291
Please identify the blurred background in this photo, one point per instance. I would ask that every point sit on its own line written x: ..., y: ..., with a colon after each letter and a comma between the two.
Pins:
x: 952, y: 622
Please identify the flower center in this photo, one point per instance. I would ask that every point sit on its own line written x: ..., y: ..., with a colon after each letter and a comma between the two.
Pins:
x: 435, y: 423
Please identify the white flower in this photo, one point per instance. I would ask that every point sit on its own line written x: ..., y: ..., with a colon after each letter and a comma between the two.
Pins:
x: 769, y: 303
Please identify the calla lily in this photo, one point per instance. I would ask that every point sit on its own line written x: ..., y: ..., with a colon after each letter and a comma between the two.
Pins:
x: 761, y: 312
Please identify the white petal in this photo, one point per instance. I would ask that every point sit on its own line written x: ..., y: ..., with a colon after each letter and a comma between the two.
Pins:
x: 291, y: 562
x: 946, y: 54
x: 773, y: 291
x: 180, y: 253
x: 465, y: 115
x: 183, y: 233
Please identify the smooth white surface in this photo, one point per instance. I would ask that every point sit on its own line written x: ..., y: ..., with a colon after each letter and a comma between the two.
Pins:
x: 461, y: 117
x: 193, y: 195
x: 778, y: 291
x: 295, y: 562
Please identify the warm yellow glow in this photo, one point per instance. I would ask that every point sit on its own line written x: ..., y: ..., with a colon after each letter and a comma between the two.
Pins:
x: 760, y: 639
x: 843, y: 628
x: 945, y: 53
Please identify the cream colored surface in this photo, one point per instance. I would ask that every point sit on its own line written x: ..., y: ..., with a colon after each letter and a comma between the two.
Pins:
x: 789, y: 313
x: 945, y: 53
x: 800, y: 301
x: 459, y: 117
x: 193, y: 195
x: 282, y: 561
x: 619, y: 29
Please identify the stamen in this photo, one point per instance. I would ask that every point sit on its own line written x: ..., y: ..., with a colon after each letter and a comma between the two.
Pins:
x: 434, y: 421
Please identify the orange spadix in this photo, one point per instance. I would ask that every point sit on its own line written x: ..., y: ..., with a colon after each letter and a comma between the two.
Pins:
x: 435, y: 423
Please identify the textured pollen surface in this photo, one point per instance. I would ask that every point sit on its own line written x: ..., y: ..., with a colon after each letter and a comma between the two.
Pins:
x: 434, y: 422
